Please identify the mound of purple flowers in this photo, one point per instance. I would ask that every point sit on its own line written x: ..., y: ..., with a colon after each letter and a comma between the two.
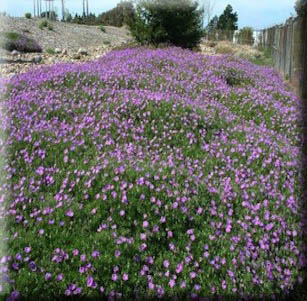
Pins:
x: 162, y: 171
x: 19, y: 42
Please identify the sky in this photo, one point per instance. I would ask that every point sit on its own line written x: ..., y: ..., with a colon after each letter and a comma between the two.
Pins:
x: 258, y: 14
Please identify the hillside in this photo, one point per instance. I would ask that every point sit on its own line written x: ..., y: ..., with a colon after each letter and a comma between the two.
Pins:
x: 64, y: 35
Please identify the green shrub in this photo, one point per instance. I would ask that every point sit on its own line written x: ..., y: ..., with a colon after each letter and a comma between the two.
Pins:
x: 50, y: 26
x: 28, y: 15
x: 50, y: 51
x: 245, y: 36
x: 102, y: 28
x: 177, y: 22
x: 15, y: 41
x: 43, y: 24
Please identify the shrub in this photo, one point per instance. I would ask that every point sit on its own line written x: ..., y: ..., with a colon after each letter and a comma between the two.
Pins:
x: 178, y: 23
x: 102, y: 28
x: 50, y: 51
x: 28, y: 15
x: 15, y: 41
x: 43, y: 24
x: 50, y: 26
x: 224, y: 49
x: 245, y: 36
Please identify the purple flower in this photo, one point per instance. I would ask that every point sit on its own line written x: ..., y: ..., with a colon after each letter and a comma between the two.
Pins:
x: 166, y: 263
x: 47, y: 276
x: 69, y: 213
x: 125, y: 277
x: 90, y: 281
x: 40, y: 170
x: 95, y: 254
x: 27, y: 249
x: 75, y: 252
x: 32, y: 266
x: 172, y: 283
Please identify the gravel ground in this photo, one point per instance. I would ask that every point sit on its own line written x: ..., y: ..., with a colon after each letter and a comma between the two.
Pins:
x: 65, y: 36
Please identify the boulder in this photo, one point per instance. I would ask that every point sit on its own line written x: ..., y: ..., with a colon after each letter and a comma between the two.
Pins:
x: 64, y: 51
x: 76, y: 56
x: 37, y: 59
x: 82, y: 51
x: 57, y: 50
x: 15, y: 53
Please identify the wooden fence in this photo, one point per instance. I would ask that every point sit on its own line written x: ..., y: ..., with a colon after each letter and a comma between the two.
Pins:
x: 288, y: 43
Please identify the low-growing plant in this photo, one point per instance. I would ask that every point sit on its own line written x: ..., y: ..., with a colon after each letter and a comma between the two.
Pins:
x: 16, y: 41
x: 224, y: 49
x: 145, y: 174
x: 50, y: 50
x: 43, y: 24
x: 265, y: 59
x: 102, y: 28
x: 28, y: 15
x: 50, y: 26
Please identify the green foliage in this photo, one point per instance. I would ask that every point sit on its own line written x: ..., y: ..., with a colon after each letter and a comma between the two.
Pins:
x: 52, y: 16
x: 212, y: 24
x: 43, y: 24
x: 102, y: 28
x: 50, y: 26
x: 69, y: 18
x: 228, y: 19
x: 50, y: 51
x: 177, y: 23
x: 265, y: 59
x: 118, y: 16
x: 28, y: 15
x: 301, y: 7
x: 245, y: 36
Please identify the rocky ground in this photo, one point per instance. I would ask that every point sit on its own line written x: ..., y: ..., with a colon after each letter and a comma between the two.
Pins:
x: 78, y: 43
x: 70, y: 42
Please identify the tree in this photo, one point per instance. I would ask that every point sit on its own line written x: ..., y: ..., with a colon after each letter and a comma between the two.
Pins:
x: 50, y: 15
x: 63, y: 10
x: 212, y: 25
x: 208, y: 7
x: 119, y: 15
x: 175, y: 22
x: 301, y: 7
x: 228, y: 20
x: 245, y: 36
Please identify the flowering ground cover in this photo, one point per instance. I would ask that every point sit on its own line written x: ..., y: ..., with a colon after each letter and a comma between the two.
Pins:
x: 154, y: 173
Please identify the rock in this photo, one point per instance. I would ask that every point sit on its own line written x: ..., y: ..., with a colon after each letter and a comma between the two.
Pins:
x: 76, y: 57
x: 15, y: 53
x: 37, y: 59
x: 64, y: 51
x: 57, y: 50
x: 51, y: 60
x: 82, y: 51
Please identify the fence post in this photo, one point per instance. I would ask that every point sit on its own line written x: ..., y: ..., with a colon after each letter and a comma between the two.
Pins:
x: 304, y: 52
